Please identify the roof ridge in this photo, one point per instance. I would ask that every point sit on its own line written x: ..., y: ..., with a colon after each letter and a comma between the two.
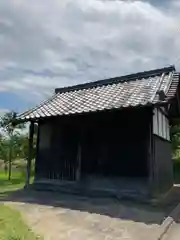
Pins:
x: 129, y: 77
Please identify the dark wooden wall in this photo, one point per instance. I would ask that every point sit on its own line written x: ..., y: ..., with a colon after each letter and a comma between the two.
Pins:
x: 43, y: 156
x: 112, y: 143
x: 163, y: 167
x: 116, y: 143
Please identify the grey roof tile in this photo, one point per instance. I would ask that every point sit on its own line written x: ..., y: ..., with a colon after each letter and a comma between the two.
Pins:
x: 127, y: 91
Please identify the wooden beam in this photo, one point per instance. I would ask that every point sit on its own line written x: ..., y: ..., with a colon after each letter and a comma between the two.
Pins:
x: 30, y: 149
x: 164, y: 112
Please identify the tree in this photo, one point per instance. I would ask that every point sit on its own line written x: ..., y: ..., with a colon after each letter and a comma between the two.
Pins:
x: 4, y: 151
x: 8, y: 126
x: 175, y: 135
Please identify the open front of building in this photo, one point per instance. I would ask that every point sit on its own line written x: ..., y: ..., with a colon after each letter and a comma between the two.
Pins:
x: 104, y: 151
x: 109, y: 137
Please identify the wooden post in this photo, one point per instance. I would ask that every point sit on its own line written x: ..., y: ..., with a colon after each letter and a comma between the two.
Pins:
x: 151, y: 162
x: 78, y: 168
x: 37, y: 152
x: 30, y: 148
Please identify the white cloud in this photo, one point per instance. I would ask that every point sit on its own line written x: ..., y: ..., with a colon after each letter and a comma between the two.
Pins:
x: 3, y: 111
x: 50, y: 43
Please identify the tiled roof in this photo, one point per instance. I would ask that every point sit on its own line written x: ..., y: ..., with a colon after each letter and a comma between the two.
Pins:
x: 146, y: 88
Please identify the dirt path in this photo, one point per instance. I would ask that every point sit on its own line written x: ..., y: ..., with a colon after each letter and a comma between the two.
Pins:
x: 173, y: 233
x: 75, y: 223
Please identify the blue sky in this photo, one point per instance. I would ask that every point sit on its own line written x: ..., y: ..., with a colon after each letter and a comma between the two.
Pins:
x: 11, y: 101
x: 52, y: 43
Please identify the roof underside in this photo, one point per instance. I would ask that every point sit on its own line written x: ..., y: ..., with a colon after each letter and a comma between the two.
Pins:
x: 139, y: 89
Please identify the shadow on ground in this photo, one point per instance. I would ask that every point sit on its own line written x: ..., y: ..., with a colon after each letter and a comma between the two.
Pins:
x: 11, y: 182
x: 124, y: 210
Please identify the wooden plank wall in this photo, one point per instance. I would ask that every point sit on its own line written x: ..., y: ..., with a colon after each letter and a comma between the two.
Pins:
x: 163, y: 165
x: 112, y: 143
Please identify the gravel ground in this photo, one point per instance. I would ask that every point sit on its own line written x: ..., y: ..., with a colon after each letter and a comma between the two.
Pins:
x: 74, y: 218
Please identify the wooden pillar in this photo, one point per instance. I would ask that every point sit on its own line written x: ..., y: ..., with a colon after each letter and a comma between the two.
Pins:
x: 152, y: 171
x: 37, y: 153
x: 30, y: 149
x: 151, y: 160
x: 78, y: 168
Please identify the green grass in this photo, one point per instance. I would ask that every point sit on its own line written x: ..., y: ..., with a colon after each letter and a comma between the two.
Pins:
x: 12, y: 226
x: 17, y: 182
x: 6, y: 187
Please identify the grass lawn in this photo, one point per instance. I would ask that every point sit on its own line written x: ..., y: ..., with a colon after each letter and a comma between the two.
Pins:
x: 12, y: 227
x: 6, y: 187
